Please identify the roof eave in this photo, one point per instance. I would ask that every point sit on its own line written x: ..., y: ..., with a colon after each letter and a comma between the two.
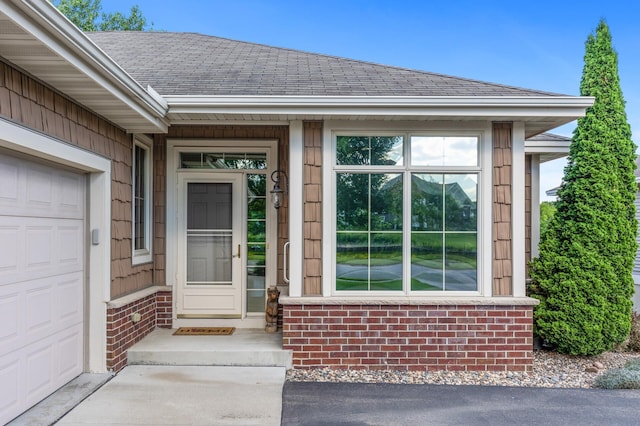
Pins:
x: 548, y: 111
x: 132, y: 107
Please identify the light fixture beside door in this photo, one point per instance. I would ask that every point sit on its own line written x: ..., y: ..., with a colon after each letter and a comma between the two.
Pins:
x: 277, y: 193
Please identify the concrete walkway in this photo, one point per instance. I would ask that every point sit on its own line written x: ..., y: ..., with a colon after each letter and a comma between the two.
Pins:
x: 185, y: 395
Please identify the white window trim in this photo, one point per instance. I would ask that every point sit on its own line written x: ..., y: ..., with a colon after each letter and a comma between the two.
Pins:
x: 484, y: 247
x: 144, y: 255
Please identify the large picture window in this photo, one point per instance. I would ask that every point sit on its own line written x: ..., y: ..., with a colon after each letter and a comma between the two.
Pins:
x: 406, y: 213
x: 141, y: 202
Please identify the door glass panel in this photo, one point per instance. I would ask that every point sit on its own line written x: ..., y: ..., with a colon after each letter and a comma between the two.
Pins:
x: 209, y: 234
x: 256, y: 241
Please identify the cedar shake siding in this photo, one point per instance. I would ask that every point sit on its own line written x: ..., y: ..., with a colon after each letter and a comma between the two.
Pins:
x: 27, y: 101
x: 312, y: 209
x: 502, y: 227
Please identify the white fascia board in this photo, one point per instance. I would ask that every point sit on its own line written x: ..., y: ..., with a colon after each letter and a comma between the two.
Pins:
x: 531, y: 147
x: 451, y: 106
x: 44, y: 22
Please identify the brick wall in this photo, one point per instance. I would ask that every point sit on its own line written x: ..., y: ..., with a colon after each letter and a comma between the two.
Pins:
x: 122, y: 333
x: 410, y: 337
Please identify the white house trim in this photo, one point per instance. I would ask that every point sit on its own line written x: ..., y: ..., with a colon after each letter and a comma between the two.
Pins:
x: 535, y: 205
x: 21, y: 139
x: 296, y: 208
x: 518, y: 210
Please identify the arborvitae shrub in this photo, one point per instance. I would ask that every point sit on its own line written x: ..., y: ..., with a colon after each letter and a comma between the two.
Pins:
x: 582, y: 276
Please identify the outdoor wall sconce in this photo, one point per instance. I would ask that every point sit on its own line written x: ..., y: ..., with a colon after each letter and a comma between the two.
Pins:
x: 277, y: 191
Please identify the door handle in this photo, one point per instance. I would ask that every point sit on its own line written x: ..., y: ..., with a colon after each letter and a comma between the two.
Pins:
x: 237, y: 255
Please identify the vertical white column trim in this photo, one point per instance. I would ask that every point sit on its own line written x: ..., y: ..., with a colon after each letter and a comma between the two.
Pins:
x: 485, y: 252
x: 518, y: 210
x: 535, y: 204
x: 296, y: 208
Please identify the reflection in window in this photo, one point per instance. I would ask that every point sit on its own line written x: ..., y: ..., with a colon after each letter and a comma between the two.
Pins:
x: 444, y: 237
x: 435, y: 242
x: 256, y: 241
x: 369, y: 150
x: 223, y: 160
x: 444, y: 151
x: 369, y: 231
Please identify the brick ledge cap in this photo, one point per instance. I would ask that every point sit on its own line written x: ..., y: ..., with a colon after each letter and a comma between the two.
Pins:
x: 441, y: 301
x: 135, y: 296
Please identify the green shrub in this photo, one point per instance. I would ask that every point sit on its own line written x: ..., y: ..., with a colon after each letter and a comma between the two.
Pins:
x: 633, y: 344
x: 619, y: 378
x: 583, y: 275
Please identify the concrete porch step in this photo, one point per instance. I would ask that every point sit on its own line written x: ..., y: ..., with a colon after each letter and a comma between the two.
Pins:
x: 245, y: 347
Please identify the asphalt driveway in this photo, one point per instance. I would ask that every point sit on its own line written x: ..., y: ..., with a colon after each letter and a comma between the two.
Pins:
x: 389, y: 404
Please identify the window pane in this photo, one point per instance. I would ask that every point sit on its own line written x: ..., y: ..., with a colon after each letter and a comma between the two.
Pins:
x: 256, y: 231
x: 386, y: 150
x: 386, y: 261
x: 256, y: 254
x: 444, y: 150
x: 352, y: 261
x: 461, y: 257
x: 352, y: 150
x: 426, y: 202
x: 426, y: 261
x: 256, y: 277
x: 460, y: 202
x: 222, y: 160
x: 139, y: 198
x: 369, y: 150
x: 386, y: 202
x: 352, y: 202
x: 256, y: 185
x: 255, y: 301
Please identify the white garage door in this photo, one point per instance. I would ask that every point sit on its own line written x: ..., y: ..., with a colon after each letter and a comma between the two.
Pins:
x: 41, y: 281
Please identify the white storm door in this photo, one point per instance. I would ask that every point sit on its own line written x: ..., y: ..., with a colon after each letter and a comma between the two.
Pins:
x: 210, y: 281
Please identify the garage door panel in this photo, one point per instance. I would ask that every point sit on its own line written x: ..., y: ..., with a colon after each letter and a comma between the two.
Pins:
x: 31, y: 189
x: 11, y: 389
x: 36, y: 309
x: 37, y: 248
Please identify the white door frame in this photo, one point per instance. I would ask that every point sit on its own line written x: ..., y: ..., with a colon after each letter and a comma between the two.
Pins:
x: 98, y: 268
x: 236, y: 292
x: 174, y: 148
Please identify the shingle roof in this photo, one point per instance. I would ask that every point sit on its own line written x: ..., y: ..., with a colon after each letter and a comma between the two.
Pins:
x: 549, y: 137
x: 185, y: 64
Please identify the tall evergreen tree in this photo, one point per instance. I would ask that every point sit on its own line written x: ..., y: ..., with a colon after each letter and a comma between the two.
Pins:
x: 582, y: 276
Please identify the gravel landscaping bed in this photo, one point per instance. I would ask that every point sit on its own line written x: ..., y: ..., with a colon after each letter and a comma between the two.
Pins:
x: 550, y: 369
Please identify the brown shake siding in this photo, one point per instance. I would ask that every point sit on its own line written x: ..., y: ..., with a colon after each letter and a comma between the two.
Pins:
x: 312, y: 209
x: 279, y: 133
x: 502, y: 178
x: 26, y: 100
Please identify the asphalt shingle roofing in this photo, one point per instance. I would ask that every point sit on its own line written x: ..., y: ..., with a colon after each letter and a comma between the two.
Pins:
x: 187, y: 64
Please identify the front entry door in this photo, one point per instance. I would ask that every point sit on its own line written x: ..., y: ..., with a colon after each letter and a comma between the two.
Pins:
x: 210, y: 284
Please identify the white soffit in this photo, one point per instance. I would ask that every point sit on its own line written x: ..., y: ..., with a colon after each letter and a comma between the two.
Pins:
x: 40, y: 40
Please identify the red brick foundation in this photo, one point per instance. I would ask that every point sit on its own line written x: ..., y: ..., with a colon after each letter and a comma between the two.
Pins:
x: 122, y: 332
x: 410, y: 337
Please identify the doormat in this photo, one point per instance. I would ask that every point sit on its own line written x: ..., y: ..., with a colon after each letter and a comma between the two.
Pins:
x: 204, y: 331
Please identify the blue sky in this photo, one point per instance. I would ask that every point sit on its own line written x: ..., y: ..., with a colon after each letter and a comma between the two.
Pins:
x: 532, y: 44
